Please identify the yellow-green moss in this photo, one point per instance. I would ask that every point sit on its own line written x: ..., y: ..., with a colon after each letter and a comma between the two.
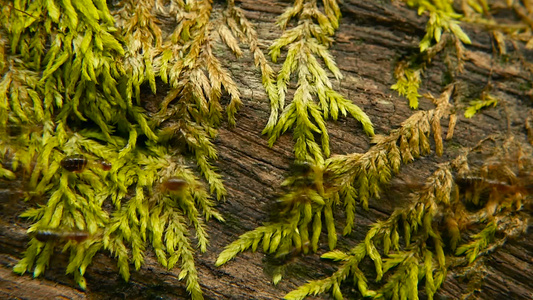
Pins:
x: 72, y: 73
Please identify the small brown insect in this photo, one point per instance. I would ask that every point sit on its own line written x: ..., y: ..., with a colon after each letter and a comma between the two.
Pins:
x: 77, y: 163
x: 175, y: 184
x: 74, y: 163
x: 106, y: 166
x: 46, y: 235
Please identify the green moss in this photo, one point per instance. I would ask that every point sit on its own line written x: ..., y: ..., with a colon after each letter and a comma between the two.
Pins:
x: 307, y: 41
x: 72, y: 73
x: 431, y: 226
x: 346, y: 180
x: 71, y: 65
x: 442, y: 33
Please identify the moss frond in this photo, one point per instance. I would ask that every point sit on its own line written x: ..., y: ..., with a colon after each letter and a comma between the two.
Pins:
x: 367, y: 173
x: 308, y: 42
x: 408, y: 83
x: 249, y: 240
x: 300, y: 222
x: 479, y: 241
x: 443, y: 32
x: 198, y: 80
x: 279, y: 238
x: 477, y: 105
x: 437, y: 207
x: 242, y: 27
x: 67, y: 67
x: 442, y: 18
x: 143, y: 38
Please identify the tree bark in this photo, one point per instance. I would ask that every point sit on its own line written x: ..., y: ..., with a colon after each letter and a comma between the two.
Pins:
x: 373, y: 35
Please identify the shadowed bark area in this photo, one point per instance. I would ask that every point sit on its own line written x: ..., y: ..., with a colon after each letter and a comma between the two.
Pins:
x: 373, y: 35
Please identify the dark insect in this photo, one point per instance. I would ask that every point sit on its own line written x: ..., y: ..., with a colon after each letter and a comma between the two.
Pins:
x: 57, y: 235
x: 106, y: 166
x: 74, y: 163
x: 77, y: 163
x: 175, y: 184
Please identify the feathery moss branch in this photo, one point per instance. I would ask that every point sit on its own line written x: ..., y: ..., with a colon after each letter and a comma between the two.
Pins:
x: 486, y: 100
x: 198, y: 80
x: 306, y: 42
x: 437, y: 207
x: 442, y: 33
x: 63, y: 69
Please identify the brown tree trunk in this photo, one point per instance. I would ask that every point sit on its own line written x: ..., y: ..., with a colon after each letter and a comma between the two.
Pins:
x: 373, y: 35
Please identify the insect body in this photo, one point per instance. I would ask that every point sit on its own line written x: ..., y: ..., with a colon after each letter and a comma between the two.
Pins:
x: 175, y: 184
x: 77, y: 163
x: 74, y: 163
x: 46, y: 235
x: 106, y: 166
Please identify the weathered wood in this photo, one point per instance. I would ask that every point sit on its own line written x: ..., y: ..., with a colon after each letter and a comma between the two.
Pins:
x: 372, y: 36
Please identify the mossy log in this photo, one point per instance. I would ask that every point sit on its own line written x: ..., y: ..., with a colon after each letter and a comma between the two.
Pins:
x: 373, y: 35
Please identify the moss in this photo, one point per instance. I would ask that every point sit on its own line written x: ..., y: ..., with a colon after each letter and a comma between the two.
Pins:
x: 74, y: 70
x: 349, y: 180
x: 307, y: 41
x: 431, y: 226
x: 346, y: 180
x: 72, y: 74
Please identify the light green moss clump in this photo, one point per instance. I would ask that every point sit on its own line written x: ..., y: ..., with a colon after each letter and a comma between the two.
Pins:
x: 306, y: 42
x: 443, y: 34
x: 72, y: 73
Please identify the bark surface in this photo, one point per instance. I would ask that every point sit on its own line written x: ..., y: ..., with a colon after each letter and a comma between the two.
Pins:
x: 372, y: 36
